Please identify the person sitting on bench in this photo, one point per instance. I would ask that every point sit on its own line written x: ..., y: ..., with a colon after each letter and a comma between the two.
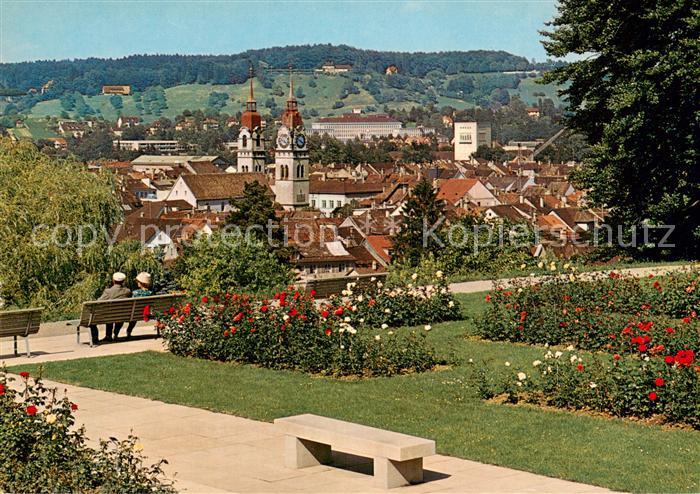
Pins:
x: 114, y: 292
x: 143, y: 283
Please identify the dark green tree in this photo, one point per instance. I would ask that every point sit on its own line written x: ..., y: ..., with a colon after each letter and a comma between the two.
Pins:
x: 255, y: 213
x: 635, y: 97
x: 423, y: 214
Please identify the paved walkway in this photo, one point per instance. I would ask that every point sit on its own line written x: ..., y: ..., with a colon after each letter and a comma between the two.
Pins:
x: 484, y: 285
x: 215, y: 452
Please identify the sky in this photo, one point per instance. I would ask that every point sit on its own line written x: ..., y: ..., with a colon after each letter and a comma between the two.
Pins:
x: 40, y: 30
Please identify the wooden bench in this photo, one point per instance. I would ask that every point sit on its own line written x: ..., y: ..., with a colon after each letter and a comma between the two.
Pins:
x: 398, y: 458
x: 124, y: 310
x: 20, y: 323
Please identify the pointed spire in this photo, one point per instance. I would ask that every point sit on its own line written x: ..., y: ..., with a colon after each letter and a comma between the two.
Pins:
x: 250, y: 76
x: 291, y: 83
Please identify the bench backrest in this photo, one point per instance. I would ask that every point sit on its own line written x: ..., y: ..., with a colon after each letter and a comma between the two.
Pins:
x: 20, y: 322
x: 125, y: 309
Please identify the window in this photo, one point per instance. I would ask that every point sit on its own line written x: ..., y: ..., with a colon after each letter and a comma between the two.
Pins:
x: 323, y: 204
x: 465, y: 138
x: 244, y: 141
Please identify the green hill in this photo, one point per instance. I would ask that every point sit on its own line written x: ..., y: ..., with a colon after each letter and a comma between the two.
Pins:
x: 321, y: 95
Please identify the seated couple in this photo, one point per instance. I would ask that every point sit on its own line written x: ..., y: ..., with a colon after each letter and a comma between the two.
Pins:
x: 119, y: 291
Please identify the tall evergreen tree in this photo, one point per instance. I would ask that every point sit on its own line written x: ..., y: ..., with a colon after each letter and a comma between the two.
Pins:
x: 422, y: 212
x: 634, y: 95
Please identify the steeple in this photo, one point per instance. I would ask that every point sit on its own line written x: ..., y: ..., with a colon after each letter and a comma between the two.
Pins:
x: 251, y: 118
x: 291, y: 118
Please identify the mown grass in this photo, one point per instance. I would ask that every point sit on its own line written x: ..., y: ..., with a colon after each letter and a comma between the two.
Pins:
x: 444, y: 405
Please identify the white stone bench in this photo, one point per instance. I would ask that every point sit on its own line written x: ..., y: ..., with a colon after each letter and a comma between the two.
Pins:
x: 398, y: 458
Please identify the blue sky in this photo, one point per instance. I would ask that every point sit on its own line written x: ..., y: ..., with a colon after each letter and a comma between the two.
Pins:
x: 31, y: 30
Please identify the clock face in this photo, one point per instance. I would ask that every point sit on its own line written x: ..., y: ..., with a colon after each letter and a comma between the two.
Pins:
x: 300, y: 140
x: 283, y: 141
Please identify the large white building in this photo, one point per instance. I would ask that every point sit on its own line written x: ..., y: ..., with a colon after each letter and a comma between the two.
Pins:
x: 148, y: 145
x: 468, y: 137
x: 351, y: 126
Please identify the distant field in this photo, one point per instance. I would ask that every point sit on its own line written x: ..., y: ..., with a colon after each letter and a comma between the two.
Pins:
x: 320, y: 98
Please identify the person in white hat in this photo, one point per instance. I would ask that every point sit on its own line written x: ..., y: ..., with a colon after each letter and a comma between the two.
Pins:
x: 114, y: 292
x: 143, y: 289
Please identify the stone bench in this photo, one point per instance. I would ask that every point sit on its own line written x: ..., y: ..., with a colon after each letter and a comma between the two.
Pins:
x: 398, y: 458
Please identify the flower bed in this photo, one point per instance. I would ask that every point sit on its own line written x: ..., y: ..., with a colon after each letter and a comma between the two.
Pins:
x: 665, y: 386
x: 291, y: 331
x: 41, y: 451
x: 613, y: 312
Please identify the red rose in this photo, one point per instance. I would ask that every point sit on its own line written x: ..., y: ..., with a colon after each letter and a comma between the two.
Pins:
x: 313, y: 293
x: 294, y: 312
x: 372, y: 302
x: 74, y: 406
x: 171, y: 310
x: 580, y: 367
x: 2, y: 389
x: 523, y: 316
x: 659, y: 382
x: 616, y: 356
x: 227, y: 332
x: 324, y: 314
x: 24, y: 374
x: 233, y: 330
x: 669, y: 359
x: 670, y: 330
x: 31, y: 410
x: 642, y: 348
x: 205, y: 300
x: 488, y: 298
x: 328, y: 331
x: 238, y: 317
x: 653, y: 396
x: 263, y: 308
x: 338, y: 311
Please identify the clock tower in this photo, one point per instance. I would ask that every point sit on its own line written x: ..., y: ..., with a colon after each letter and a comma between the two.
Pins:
x: 251, y: 143
x: 292, y: 157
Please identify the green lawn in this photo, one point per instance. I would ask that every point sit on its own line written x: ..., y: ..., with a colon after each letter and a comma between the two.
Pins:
x: 619, y: 454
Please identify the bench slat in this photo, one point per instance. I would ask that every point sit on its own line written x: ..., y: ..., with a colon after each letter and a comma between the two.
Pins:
x: 355, y: 438
x: 20, y: 322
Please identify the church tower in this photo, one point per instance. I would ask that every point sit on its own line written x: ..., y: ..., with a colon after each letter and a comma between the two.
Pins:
x: 251, y: 143
x: 292, y: 157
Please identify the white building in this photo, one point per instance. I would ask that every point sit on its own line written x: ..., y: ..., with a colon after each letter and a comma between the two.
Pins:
x: 147, y: 145
x: 468, y: 137
x: 351, y: 126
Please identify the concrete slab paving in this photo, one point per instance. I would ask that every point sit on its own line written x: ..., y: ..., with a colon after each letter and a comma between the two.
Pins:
x: 213, y: 453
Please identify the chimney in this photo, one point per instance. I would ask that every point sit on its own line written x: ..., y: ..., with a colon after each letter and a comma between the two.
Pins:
x: 541, y: 201
x: 521, y: 199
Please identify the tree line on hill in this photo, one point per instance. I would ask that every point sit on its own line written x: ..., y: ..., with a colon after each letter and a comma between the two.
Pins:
x: 87, y: 76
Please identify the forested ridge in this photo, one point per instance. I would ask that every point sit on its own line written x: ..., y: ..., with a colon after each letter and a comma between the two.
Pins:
x: 87, y: 76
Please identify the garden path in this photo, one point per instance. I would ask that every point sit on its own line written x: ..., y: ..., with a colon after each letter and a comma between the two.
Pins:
x: 216, y: 452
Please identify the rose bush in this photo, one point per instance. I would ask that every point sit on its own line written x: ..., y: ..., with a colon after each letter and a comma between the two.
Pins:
x: 611, y: 312
x: 292, y: 331
x: 42, y: 451
x: 665, y: 386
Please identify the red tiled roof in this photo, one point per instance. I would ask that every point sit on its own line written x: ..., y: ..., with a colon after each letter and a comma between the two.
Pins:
x: 454, y: 189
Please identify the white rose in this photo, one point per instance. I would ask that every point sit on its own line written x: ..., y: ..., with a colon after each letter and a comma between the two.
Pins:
x: 346, y: 319
x: 360, y: 298
x: 387, y: 311
x: 285, y: 317
x: 540, y: 264
x: 523, y: 266
x: 51, y: 418
x: 570, y: 348
x: 377, y: 337
x: 451, y: 303
x: 439, y: 274
x: 373, y: 279
x: 344, y: 293
x: 557, y: 354
x: 536, y: 363
x: 507, y: 364
x: 522, y: 376
x: 593, y: 385
x: 427, y: 327
x: 414, y: 276
x: 573, y: 358
x: 390, y: 332
x: 385, y: 325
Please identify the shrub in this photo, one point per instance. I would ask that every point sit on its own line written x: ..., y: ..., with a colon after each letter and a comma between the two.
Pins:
x: 42, y: 451
x: 665, y: 386
x: 290, y: 331
x: 610, y: 312
x: 220, y: 264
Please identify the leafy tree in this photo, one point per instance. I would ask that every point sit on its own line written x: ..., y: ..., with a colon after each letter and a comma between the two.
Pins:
x: 54, y: 219
x: 116, y: 101
x: 223, y: 263
x: 422, y: 212
x: 635, y: 97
